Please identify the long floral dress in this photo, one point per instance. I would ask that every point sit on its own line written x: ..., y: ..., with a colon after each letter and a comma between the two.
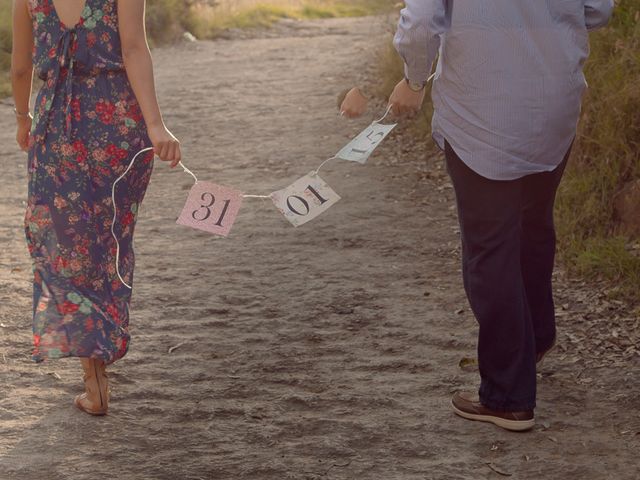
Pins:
x: 87, y: 127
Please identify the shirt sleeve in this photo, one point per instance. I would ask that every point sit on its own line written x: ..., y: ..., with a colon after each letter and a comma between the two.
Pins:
x: 597, y: 13
x: 422, y: 23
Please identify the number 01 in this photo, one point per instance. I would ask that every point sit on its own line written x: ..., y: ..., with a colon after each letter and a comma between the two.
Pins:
x: 304, y: 202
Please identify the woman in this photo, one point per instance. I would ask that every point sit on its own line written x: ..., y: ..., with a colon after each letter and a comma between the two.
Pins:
x: 96, y: 108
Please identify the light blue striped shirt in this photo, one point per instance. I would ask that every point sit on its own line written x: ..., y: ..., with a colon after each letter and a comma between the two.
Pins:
x: 509, y: 80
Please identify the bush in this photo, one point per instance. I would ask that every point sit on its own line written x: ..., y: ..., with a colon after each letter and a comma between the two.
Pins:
x: 606, y: 155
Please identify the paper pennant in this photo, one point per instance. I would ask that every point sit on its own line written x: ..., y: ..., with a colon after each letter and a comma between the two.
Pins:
x: 212, y: 208
x: 360, y: 148
x: 305, y: 199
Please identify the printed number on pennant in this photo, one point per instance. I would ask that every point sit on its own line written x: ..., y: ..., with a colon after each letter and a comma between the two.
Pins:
x: 360, y: 148
x: 303, y: 201
x: 212, y: 208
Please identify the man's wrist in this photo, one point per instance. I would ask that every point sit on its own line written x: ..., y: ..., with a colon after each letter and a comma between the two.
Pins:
x: 415, y: 86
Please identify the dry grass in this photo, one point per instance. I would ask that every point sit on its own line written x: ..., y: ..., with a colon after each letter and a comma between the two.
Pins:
x: 207, y: 21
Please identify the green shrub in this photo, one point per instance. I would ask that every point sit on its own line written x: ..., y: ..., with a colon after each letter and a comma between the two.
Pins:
x: 606, y: 155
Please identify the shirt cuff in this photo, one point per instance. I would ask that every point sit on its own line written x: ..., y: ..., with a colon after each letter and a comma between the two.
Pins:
x: 416, y: 75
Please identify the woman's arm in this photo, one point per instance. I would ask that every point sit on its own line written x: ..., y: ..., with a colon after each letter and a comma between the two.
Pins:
x: 139, y: 66
x: 22, y: 70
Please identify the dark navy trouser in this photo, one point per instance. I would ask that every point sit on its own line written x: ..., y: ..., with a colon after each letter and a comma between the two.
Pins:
x: 508, y: 251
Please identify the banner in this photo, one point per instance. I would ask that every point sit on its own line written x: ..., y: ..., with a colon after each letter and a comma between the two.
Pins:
x: 214, y: 208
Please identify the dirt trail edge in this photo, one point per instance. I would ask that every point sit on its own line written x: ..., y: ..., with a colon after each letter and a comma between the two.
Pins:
x: 328, y: 351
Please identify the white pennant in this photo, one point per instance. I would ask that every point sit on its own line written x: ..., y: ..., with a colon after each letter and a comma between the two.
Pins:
x: 360, y: 148
x: 305, y: 199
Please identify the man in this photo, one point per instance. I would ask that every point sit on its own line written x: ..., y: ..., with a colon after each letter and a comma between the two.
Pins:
x: 507, y: 95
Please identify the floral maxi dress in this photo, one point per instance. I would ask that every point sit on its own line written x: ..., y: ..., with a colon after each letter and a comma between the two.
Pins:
x: 87, y: 127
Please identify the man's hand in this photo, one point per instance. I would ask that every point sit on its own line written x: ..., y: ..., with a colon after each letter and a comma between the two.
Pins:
x: 404, y: 101
x: 354, y: 104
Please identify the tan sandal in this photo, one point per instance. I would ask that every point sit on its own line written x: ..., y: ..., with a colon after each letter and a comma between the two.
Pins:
x: 95, y: 399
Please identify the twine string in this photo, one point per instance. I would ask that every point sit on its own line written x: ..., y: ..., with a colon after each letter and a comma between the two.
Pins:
x: 115, y: 212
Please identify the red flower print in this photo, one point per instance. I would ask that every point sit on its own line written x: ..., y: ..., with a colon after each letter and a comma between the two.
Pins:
x: 91, y: 39
x: 81, y: 151
x: 105, y: 111
x: 75, y: 108
x: 67, y: 307
x: 72, y: 171
x: 113, y: 312
x: 128, y: 219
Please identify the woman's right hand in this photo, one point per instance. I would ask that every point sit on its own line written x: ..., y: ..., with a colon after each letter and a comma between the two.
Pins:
x: 165, y: 145
x: 22, y: 132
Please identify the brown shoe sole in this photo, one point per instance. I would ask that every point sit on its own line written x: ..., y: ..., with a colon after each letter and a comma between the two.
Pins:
x: 511, y: 425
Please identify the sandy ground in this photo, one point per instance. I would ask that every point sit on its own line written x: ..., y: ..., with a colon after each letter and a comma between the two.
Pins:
x: 328, y: 351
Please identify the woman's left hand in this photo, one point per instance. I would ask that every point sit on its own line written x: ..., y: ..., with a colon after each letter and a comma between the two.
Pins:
x: 23, y: 132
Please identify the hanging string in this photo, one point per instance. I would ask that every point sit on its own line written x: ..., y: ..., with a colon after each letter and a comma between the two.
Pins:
x: 315, y: 172
x: 385, y: 114
x: 256, y: 196
x: 186, y: 170
x: 115, y: 208
x: 115, y: 212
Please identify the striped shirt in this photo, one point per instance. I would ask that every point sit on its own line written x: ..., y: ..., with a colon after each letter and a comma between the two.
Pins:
x: 509, y: 80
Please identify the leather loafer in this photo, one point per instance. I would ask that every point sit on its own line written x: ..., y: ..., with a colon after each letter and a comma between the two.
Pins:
x: 467, y: 405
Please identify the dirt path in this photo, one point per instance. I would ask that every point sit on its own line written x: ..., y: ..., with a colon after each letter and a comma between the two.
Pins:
x: 328, y: 351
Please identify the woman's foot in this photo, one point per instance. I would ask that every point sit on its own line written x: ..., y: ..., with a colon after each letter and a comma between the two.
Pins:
x: 95, y: 399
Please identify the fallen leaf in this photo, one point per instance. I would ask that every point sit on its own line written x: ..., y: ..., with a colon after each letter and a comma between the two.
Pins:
x: 468, y: 364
